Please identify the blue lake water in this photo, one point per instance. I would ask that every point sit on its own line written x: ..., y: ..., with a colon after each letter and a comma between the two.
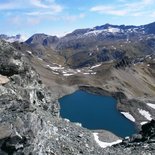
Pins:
x: 95, y: 112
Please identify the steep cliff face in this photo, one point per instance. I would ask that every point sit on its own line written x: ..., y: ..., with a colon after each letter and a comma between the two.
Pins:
x: 29, y: 113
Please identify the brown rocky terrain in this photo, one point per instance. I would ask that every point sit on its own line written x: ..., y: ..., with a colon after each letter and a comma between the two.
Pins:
x: 29, y: 112
x: 136, y: 82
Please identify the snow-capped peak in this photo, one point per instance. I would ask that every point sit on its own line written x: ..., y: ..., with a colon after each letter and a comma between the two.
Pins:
x: 113, y: 30
x: 109, y: 29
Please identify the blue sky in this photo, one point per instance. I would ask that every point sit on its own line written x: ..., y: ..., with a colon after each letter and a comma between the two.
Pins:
x: 62, y: 16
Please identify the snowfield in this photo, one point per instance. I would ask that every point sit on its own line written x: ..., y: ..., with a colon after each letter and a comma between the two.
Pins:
x: 104, y: 144
x: 94, y: 32
x: 151, y: 105
x: 113, y: 30
x: 58, y: 69
x: 129, y: 116
x: 145, y: 113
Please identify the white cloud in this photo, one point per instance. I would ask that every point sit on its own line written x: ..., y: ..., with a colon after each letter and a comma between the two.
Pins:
x: 47, y: 4
x: 40, y: 13
x: 56, y: 8
x: 153, y: 14
x: 38, y: 3
x: 50, y: 5
x: 33, y: 21
x: 32, y: 12
x: 46, y: 7
x: 137, y: 14
x: 16, y: 20
x: 147, y: 1
x: 7, y: 6
x: 72, y: 18
x: 108, y: 10
x: 124, y: 7
x: 122, y: 1
x: 138, y: 5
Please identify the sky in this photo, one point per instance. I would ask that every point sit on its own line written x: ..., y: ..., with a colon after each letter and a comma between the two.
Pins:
x: 58, y: 17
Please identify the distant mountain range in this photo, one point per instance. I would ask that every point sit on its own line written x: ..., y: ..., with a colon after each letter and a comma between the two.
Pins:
x: 11, y: 39
x: 84, y: 47
x: 98, y: 33
x: 30, y: 120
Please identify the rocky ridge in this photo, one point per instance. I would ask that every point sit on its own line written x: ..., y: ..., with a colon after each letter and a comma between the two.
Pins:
x: 29, y: 114
x: 86, y: 47
x: 30, y: 121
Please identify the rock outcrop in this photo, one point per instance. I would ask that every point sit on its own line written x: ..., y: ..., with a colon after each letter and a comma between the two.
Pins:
x: 142, y: 143
x: 29, y: 114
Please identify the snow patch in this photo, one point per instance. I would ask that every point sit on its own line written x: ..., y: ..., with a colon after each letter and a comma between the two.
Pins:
x: 142, y: 123
x: 17, y: 62
x: 129, y: 116
x: 56, y: 73
x: 67, y: 120
x: 151, y: 105
x: 59, y: 69
x: 86, y: 73
x: 109, y: 29
x: 94, y: 32
x: 94, y: 73
x: 95, y: 66
x: 145, y: 113
x: 29, y: 52
x: 113, y: 30
x: 40, y: 59
x: 55, y: 68
x: 104, y: 144
x: 18, y: 134
x: 78, y: 70
x: 78, y: 124
x: 67, y: 74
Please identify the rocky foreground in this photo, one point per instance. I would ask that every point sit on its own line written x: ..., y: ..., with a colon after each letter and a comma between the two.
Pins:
x: 30, y: 123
